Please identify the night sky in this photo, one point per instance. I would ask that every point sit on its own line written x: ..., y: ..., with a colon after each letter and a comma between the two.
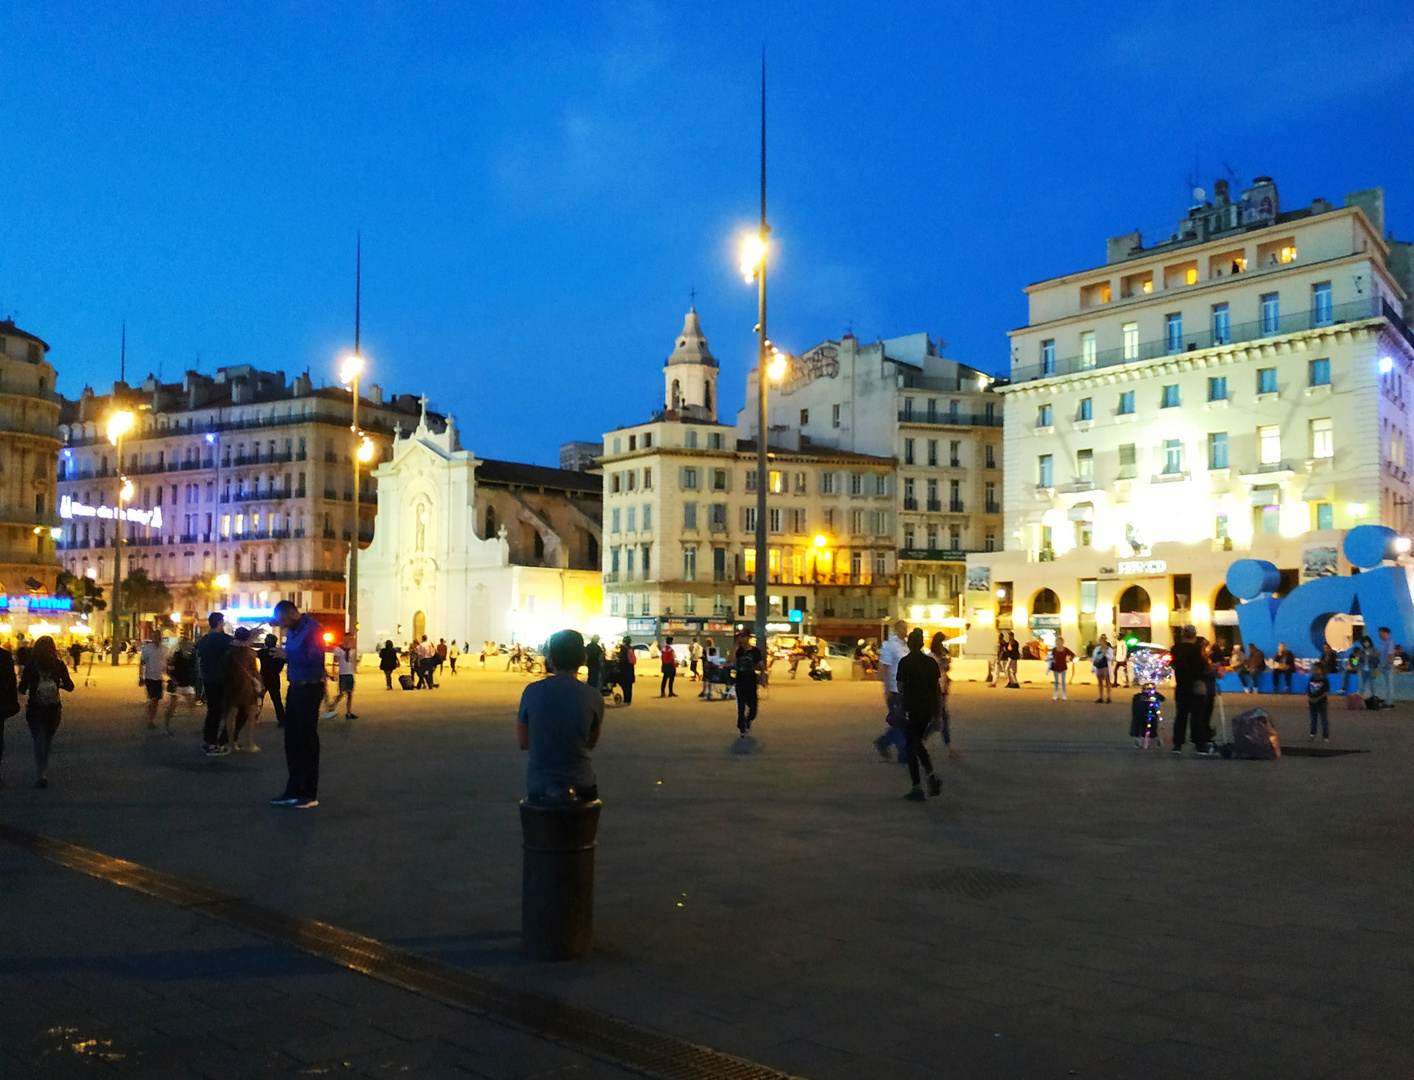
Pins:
x: 539, y: 186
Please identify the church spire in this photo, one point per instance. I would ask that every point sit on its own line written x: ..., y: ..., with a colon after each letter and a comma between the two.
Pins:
x: 690, y: 373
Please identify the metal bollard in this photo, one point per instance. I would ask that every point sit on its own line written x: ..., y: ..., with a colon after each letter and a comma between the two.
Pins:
x: 557, y: 881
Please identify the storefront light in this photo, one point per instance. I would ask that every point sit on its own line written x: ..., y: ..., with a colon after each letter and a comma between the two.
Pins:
x: 1068, y: 615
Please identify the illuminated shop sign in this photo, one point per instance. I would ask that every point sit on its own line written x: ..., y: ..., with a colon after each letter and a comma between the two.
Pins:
x: 70, y: 508
x: 36, y: 603
x: 1129, y: 567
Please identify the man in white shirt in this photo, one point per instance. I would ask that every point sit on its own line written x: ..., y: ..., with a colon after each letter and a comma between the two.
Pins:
x: 345, y: 661
x: 151, y: 667
x: 893, y: 650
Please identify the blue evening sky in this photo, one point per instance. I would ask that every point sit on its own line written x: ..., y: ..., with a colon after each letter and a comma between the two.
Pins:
x: 539, y: 185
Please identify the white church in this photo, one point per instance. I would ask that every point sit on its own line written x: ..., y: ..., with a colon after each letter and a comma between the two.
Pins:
x: 471, y: 549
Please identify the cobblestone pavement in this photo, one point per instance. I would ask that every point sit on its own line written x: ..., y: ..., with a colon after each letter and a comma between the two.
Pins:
x: 1070, y: 907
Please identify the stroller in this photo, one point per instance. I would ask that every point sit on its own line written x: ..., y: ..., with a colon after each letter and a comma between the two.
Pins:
x: 609, y: 685
x: 717, y: 673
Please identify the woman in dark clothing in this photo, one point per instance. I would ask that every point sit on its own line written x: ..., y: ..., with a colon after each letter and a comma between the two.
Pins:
x: 626, y: 661
x: 388, y: 662
x: 9, y: 702
x: 45, y: 675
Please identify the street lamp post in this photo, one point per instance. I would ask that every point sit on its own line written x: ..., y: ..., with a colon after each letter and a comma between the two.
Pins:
x: 754, y: 266
x: 119, y: 424
x: 349, y: 374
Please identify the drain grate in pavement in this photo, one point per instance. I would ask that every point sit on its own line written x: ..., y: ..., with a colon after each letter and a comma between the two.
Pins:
x: 970, y: 882
x: 1316, y: 751
x: 604, y: 1037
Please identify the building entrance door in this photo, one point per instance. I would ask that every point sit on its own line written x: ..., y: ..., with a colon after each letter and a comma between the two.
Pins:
x: 419, y: 625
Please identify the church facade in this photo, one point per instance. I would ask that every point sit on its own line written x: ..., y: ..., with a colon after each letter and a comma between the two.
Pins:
x: 471, y: 549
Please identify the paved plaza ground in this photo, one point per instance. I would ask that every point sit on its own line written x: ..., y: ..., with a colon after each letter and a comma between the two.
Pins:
x: 1069, y: 907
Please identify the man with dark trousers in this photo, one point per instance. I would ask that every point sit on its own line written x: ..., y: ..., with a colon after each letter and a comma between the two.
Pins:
x: 213, y: 653
x: 1189, y: 668
x: 917, y: 678
x: 304, y: 667
x: 272, y: 662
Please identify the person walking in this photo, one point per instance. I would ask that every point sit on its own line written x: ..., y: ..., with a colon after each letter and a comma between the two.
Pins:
x: 388, y: 661
x: 694, y: 660
x: 345, y: 663
x: 181, y: 680
x: 942, y: 722
x: 453, y: 655
x: 304, y: 671
x: 1189, y: 671
x: 9, y: 698
x: 1283, y: 666
x: 669, y: 658
x: 1013, y: 657
x: 213, y: 654
x: 1317, y: 702
x: 272, y: 662
x: 558, y: 722
x: 1060, y: 663
x: 440, y: 655
x: 1101, y: 662
x: 747, y: 664
x: 894, y: 649
x: 44, y: 676
x: 76, y: 652
x: 594, y: 663
x: 151, y: 667
x: 626, y: 660
x: 243, y: 687
x: 918, y: 676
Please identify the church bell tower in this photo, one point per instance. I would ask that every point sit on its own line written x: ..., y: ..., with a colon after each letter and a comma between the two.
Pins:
x: 690, y: 375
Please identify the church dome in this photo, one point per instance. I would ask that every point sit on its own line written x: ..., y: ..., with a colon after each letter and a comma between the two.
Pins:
x: 691, y: 346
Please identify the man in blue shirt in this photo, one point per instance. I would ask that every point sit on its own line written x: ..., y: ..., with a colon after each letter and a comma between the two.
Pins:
x: 304, y: 667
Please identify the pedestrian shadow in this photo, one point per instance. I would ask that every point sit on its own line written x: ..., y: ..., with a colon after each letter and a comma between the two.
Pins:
x: 744, y: 747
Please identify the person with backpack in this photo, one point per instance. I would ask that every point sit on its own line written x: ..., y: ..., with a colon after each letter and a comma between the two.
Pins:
x: 670, y: 669
x: 44, y: 676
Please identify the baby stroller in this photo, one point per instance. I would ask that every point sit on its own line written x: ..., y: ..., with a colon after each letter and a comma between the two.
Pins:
x: 717, y: 674
x: 609, y: 685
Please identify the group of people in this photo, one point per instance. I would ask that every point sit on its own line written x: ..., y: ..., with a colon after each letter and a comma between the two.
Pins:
x: 41, y: 675
x: 425, y: 661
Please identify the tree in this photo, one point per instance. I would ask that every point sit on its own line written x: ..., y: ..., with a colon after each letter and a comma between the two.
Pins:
x: 201, y: 593
x: 87, y: 594
x: 140, y: 594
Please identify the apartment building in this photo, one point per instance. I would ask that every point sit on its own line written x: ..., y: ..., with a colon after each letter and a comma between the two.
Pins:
x: 29, y: 451
x: 1241, y: 389
x: 240, y: 475
x: 939, y: 419
x: 680, y: 495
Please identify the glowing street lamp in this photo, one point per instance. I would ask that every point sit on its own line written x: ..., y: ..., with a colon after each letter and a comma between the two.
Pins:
x: 119, y: 424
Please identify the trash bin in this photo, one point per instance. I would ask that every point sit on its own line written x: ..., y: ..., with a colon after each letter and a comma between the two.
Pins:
x: 557, y: 881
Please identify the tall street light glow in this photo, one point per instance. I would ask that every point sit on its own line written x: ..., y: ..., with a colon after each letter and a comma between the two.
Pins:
x: 119, y: 424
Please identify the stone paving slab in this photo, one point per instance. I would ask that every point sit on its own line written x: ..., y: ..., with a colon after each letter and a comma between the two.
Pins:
x: 1171, y: 913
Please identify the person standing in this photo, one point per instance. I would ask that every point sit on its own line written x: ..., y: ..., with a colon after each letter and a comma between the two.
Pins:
x: 1368, y: 666
x: 181, y: 679
x: 151, y: 667
x: 440, y: 655
x: 1283, y: 666
x: 559, y: 721
x: 345, y: 663
x: 1101, y: 659
x: 893, y: 650
x: 594, y: 663
x: 44, y: 676
x: 304, y: 670
x: 1060, y: 664
x: 76, y: 652
x: 1385, y: 647
x: 9, y: 698
x: 213, y: 654
x: 1121, y: 665
x: 627, y: 658
x: 1013, y: 657
x: 388, y: 661
x: 694, y: 660
x: 746, y: 664
x: 669, y: 657
x: 938, y: 649
x: 453, y: 654
x: 243, y: 688
x: 1317, y: 702
x: 1189, y: 671
x: 918, y: 677
x: 272, y: 662
x: 1256, y: 664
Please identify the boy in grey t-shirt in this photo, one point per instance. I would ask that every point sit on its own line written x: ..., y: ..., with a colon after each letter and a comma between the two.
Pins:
x: 559, y: 722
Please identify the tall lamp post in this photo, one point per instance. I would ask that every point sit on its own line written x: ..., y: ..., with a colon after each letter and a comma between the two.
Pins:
x: 349, y: 374
x: 119, y: 424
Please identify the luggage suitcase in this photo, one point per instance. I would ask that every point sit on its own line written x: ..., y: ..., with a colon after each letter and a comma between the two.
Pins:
x: 405, y: 681
x: 1355, y: 702
x: 1254, y: 737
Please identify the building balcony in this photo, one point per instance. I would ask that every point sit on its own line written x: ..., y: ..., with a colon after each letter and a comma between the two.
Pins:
x: 956, y: 506
x: 992, y: 508
x: 188, y: 538
x: 290, y: 575
x: 910, y: 504
x: 935, y: 506
x: 949, y: 419
x: 1233, y: 334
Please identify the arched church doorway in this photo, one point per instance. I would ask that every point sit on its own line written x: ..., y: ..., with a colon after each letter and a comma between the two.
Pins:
x: 419, y: 625
x: 1132, y: 614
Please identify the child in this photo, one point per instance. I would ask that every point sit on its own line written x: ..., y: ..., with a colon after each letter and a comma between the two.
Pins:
x: 1316, y: 693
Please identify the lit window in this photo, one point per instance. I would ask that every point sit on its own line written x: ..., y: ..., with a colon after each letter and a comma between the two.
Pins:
x: 1130, y: 335
x: 1322, y: 438
x: 1269, y: 444
x: 1088, y: 355
x: 1190, y: 276
x: 1048, y: 357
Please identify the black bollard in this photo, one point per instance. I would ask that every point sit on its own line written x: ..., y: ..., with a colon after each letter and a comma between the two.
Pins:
x: 557, y: 881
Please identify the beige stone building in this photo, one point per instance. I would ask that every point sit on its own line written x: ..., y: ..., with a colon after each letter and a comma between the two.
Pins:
x: 29, y: 450
x: 1241, y: 389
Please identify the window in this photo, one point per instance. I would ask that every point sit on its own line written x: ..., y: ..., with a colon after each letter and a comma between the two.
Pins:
x: 1322, y: 438
x: 1126, y: 461
x: 991, y: 542
x: 834, y: 416
x: 881, y: 484
x: 719, y: 480
x: 1267, y: 380
x: 632, y: 519
x: 632, y: 475
x: 991, y: 456
x: 776, y: 482
x: 773, y: 519
x: 1269, y: 444
x: 1088, y: 355
x: 714, y: 440
x: 1269, y: 516
x: 797, y: 521
x: 1173, y: 457
x: 1222, y: 325
x: 1043, y: 416
x: 748, y: 519
x: 687, y: 478
x: 910, y: 498
x: 1271, y: 312
x: 647, y: 440
x: 1126, y: 403
x: 856, y: 523
x: 1087, y: 409
x: 648, y: 515
x: 628, y: 559
x: 717, y: 517
x: 719, y: 564
x: 647, y: 477
x: 1048, y: 357
x: 1170, y: 398
x: 1325, y: 519
x: 856, y: 483
x: 954, y: 496
x: 908, y: 408
x: 908, y: 451
x: 689, y: 515
x: 750, y: 480
x: 1322, y: 312
x: 1043, y: 471
x: 932, y: 538
x: 1220, y: 527
x: 1217, y: 449
x: 955, y: 537
x: 991, y: 495
x: 804, y: 417
x: 932, y: 451
x: 801, y: 483
x: 633, y: 442
x: 614, y: 559
x: 1217, y: 388
x: 1320, y: 373
x: 1129, y: 332
x: 1085, y: 466
x: 827, y: 483
x: 690, y: 440
x: 1173, y: 332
